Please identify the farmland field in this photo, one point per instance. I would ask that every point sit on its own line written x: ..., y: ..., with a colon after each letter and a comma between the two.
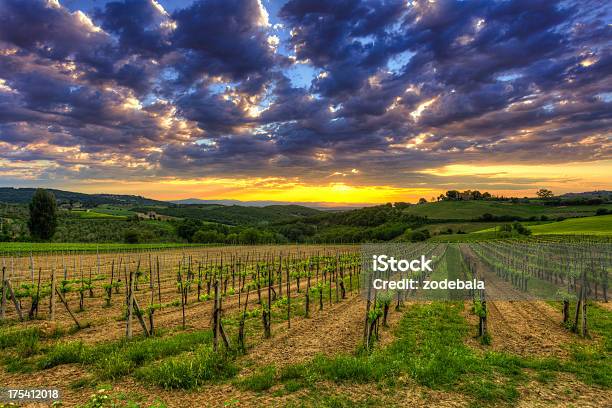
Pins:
x: 593, y: 227
x: 468, y: 210
x: 601, y: 225
x: 284, y: 326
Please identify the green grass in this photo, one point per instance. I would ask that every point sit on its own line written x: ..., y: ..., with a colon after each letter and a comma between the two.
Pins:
x: 430, y: 349
x: 26, y: 247
x: 599, y: 225
x: 261, y: 380
x: 468, y: 210
x: 14, y: 338
x: 116, y: 359
x: 189, y: 370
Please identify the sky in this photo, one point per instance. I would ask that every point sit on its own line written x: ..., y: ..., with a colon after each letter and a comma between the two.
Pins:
x: 343, y: 101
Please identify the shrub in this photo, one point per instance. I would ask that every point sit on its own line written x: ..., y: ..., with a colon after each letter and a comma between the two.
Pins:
x: 208, y: 237
x: 131, y: 237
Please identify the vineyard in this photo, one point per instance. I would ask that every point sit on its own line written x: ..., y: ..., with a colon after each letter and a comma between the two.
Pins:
x: 279, y: 325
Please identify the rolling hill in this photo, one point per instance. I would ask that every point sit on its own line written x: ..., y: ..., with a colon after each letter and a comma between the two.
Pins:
x: 235, y: 214
x: 600, y: 225
x: 471, y: 210
x: 13, y: 195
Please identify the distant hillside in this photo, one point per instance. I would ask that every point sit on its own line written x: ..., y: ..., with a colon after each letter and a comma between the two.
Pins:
x: 235, y: 214
x: 24, y: 195
x: 316, y: 205
x: 601, y: 225
x: 471, y: 210
x: 589, y: 194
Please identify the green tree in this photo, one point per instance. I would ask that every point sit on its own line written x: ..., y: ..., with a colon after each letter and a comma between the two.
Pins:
x: 43, y: 215
x: 187, y: 228
x: 208, y: 237
x: 249, y: 236
x: 544, y: 193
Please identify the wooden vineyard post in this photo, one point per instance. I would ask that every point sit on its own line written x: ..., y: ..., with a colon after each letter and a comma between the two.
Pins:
x: 241, y: 344
x: 371, y: 326
x: 398, y: 305
x: 584, y: 306
x: 158, y: 281
x: 331, y: 276
x: 267, y: 308
x: 52, y: 297
x: 151, y: 309
x: 240, y: 285
x: 90, y: 283
x: 336, y: 275
x: 130, y: 305
x: 258, y: 284
x: 577, y: 311
x: 180, y: 281
x: 139, y: 316
x: 199, y: 279
x: 224, y: 336
x: 320, y: 286
x: 34, y: 306
x: 288, y: 294
x: 214, y: 319
x: 7, y: 284
x: 367, y: 316
x: 65, y: 303
x: 109, y: 291
x: 31, y: 267
x: 566, y: 305
x: 350, y: 269
x: 483, y: 319
x: 82, y: 288
x: 280, y: 275
x: 307, y: 300
x: 3, y: 295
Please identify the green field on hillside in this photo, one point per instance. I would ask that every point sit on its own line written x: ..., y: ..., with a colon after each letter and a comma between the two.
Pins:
x: 113, y: 210
x: 600, y: 225
x: 91, y: 214
x: 469, y: 210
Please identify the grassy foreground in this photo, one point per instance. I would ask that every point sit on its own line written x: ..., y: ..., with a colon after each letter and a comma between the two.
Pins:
x: 429, y: 350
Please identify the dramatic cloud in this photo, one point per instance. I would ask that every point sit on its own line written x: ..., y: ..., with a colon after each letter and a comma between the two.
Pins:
x: 360, y: 92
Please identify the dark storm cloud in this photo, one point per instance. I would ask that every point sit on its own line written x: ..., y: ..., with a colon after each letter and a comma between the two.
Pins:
x: 395, y: 87
x: 140, y: 26
x: 47, y: 30
x: 222, y: 37
x: 346, y: 38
